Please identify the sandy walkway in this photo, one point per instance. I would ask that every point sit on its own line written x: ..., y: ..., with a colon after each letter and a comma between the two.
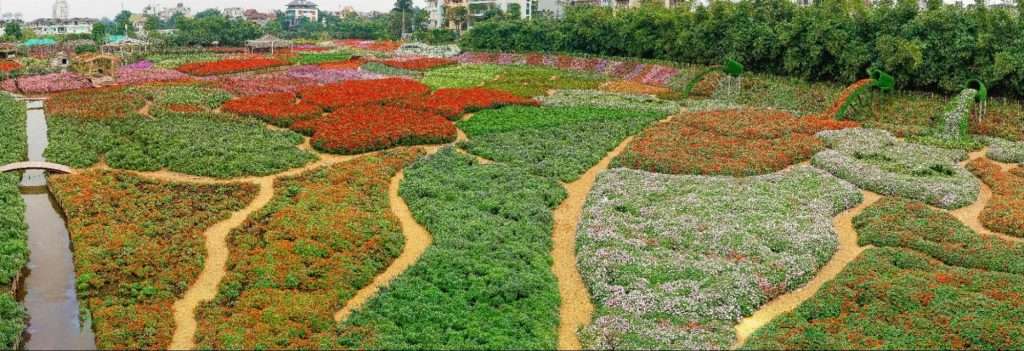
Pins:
x: 205, y: 287
x: 847, y: 252
x: 417, y: 240
x: 576, y: 310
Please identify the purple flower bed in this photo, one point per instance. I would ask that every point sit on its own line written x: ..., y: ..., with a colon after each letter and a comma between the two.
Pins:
x: 47, y: 83
x: 144, y: 64
x: 327, y: 76
x: 132, y: 76
x: 651, y: 74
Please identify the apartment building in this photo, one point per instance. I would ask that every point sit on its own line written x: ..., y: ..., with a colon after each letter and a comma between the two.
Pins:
x: 438, y: 9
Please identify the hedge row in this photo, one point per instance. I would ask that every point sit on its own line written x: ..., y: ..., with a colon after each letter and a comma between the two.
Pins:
x: 938, y: 48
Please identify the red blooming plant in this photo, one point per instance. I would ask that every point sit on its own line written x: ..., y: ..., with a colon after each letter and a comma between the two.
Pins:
x: 95, y: 104
x: 368, y: 128
x: 234, y: 65
x: 350, y: 64
x: 276, y: 82
x: 363, y: 92
x: 452, y: 103
x: 419, y: 64
x: 7, y: 66
x: 279, y: 109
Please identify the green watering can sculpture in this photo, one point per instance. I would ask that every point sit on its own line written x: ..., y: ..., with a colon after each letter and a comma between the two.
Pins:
x: 982, y: 97
x: 731, y: 68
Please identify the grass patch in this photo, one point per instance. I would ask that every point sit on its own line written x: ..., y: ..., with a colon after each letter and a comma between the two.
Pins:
x: 138, y: 246
x: 560, y: 142
x: 325, y: 235
x: 899, y: 299
x: 205, y: 144
x: 486, y: 282
x: 667, y: 270
x: 169, y: 95
x: 315, y: 58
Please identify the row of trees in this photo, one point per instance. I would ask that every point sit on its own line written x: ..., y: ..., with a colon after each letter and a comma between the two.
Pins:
x: 937, y: 48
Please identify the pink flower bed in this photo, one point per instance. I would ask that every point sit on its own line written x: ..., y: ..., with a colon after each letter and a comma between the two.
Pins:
x: 133, y: 76
x: 48, y: 83
x: 651, y: 74
x: 268, y: 83
x: 327, y: 76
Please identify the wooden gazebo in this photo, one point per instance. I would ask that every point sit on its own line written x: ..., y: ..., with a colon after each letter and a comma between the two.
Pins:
x: 267, y: 42
x: 126, y: 46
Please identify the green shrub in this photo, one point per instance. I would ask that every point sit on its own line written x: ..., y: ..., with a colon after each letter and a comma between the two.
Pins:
x: 320, y: 57
x: 13, y: 318
x: 486, y: 281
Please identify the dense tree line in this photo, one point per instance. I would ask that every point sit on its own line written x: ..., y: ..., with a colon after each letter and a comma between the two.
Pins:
x: 937, y: 48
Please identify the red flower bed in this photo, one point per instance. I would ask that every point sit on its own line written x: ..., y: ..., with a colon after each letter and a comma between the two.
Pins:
x: 419, y: 64
x: 279, y: 109
x: 353, y: 63
x: 369, y: 128
x: 362, y: 92
x: 230, y: 66
x: 372, y: 45
x: 452, y: 103
x: 1005, y: 212
x: 9, y: 66
x: 95, y: 104
x: 732, y: 142
x: 276, y: 82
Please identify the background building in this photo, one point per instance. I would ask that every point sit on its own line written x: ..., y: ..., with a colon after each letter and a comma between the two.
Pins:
x: 60, y: 10
x: 299, y: 9
x: 53, y: 26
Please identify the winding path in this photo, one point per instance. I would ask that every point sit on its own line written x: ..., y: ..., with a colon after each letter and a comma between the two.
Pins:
x: 971, y: 215
x: 847, y: 252
x: 417, y: 240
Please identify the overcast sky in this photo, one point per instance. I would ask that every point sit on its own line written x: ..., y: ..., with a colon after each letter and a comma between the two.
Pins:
x: 33, y: 9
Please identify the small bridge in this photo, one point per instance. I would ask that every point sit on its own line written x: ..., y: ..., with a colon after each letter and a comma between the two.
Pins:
x: 46, y: 166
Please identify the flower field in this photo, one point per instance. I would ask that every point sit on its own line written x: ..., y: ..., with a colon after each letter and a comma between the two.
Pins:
x: 1005, y: 213
x: 283, y: 265
x: 667, y: 271
x: 140, y: 246
x: 232, y: 65
x: 727, y: 142
x: 348, y: 195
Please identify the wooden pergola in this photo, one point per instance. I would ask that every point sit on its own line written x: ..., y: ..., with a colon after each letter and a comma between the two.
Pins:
x: 267, y: 42
x: 126, y: 46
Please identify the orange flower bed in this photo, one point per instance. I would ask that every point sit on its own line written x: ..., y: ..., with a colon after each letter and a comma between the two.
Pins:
x: 95, y: 104
x: 631, y: 87
x: 350, y: 64
x: 360, y: 129
x: 230, y: 66
x: 1005, y: 212
x: 731, y: 142
x: 362, y: 92
x: 453, y: 103
x: 419, y: 64
x: 9, y: 66
x: 280, y: 109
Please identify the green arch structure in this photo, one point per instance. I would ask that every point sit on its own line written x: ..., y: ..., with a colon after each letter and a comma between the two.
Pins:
x: 879, y: 79
x: 731, y: 68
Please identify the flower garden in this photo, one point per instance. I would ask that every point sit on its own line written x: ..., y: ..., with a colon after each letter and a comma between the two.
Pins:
x: 354, y: 198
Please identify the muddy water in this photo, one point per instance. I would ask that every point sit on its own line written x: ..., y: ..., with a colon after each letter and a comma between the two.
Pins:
x: 49, y: 288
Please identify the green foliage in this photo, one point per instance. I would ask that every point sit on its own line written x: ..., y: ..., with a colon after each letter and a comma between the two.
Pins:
x: 462, y: 76
x: 325, y: 235
x: 13, y: 140
x: 204, y: 144
x: 486, y: 281
x: 896, y: 222
x: 191, y: 95
x: 214, y: 28
x: 172, y: 61
x: 320, y: 57
x: 13, y: 320
x: 436, y: 36
x: 380, y: 68
x: 900, y: 299
x: 560, y: 142
x: 526, y: 81
x: 139, y: 245
x: 936, y: 49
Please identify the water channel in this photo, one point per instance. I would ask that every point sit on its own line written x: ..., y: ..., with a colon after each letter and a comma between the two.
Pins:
x: 48, y: 291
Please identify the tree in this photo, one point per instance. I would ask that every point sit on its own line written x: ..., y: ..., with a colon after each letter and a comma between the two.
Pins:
x: 208, y: 13
x: 152, y: 23
x: 123, y: 23
x: 459, y: 16
x: 13, y: 29
x: 403, y: 6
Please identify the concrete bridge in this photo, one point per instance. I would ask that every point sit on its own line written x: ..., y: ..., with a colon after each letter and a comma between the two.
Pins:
x: 46, y: 166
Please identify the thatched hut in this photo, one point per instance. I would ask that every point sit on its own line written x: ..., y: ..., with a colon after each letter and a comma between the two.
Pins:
x: 96, y: 65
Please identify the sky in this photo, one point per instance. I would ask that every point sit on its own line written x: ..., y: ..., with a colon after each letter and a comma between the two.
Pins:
x: 33, y: 9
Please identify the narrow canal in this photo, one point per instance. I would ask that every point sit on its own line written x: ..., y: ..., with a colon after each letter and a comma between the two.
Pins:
x: 49, y: 288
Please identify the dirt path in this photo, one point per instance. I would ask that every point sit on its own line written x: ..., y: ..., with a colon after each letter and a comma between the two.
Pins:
x: 971, y: 215
x: 847, y: 252
x: 417, y: 240
x: 576, y: 310
x: 205, y: 287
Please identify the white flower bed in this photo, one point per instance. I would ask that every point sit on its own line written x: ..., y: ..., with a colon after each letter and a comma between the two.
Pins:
x: 604, y: 99
x: 424, y: 50
x: 1003, y: 150
x: 673, y: 262
x: 875, y: 160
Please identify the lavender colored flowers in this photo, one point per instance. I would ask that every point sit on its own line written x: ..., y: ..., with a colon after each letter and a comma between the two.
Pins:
x: 651, y: 74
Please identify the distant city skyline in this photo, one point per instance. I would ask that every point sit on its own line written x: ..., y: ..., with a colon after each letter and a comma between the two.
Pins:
x: 34, y: 9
